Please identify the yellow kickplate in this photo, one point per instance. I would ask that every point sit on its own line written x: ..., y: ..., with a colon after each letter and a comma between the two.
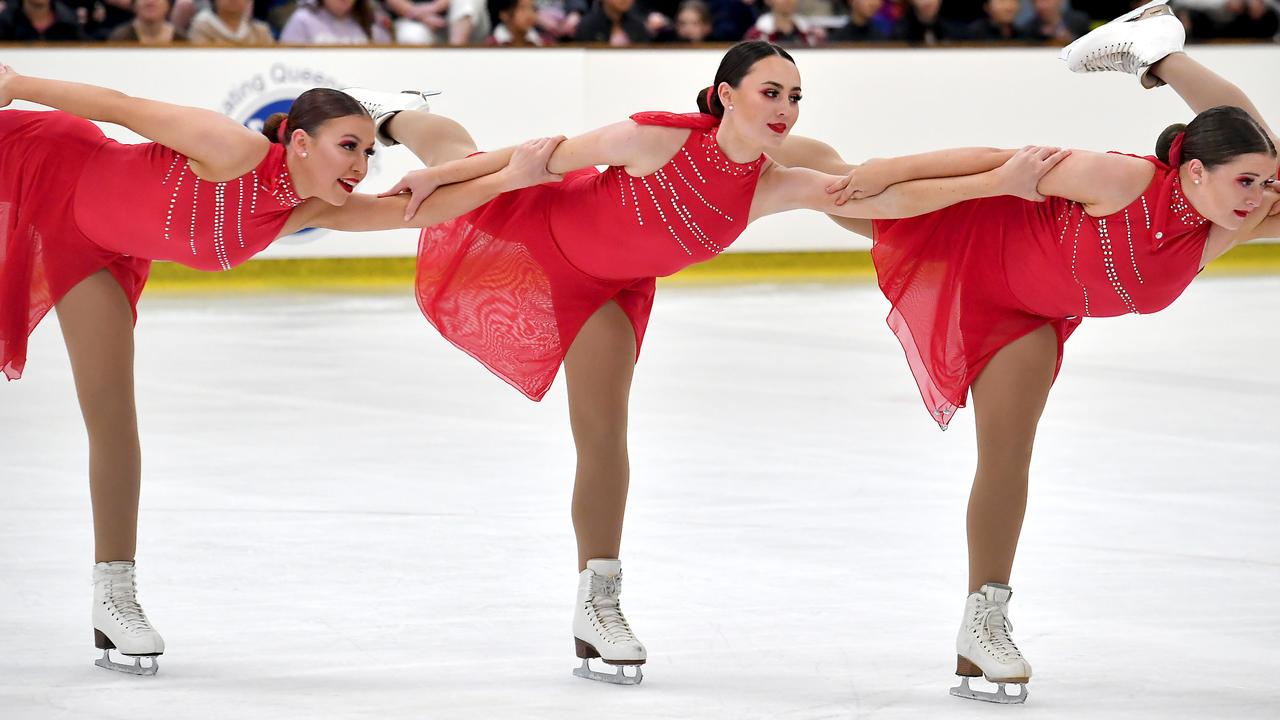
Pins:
x: 731, y: 268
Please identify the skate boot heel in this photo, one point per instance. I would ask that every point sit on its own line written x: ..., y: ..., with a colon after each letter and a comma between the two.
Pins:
x: 101, y: 641
x: 964, y: 668
x: 584, y: 649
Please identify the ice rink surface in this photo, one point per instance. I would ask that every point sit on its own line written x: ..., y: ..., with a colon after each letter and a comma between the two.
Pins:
x: 344, y: 517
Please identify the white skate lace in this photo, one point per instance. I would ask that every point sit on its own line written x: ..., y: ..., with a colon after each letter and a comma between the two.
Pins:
x: 1116, y: 56
x: 122, y: 598
x: 606, y: 611
x: 992, y: 627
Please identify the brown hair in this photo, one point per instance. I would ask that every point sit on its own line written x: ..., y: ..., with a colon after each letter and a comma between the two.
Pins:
x: 312, y: 109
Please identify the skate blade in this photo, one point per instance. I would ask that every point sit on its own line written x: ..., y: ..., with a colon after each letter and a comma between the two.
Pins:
x: 1000, y: 696
x: 618, y: 678
x: 137, y: 668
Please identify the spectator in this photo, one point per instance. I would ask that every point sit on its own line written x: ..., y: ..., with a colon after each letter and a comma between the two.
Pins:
x: 1208, y: 19
x: 468, y: 22
x: 229, y: 23
x: 617, y: 22
x: 517, y: 24
x: 334, y: 22
x: 965, y: 12
x: 783, y: 27
x: 925, y: 25
x: 1055, y: 21
x: 820, y: 8
x: 731, y: 19
x: 693, y: 22
x: 660, y: 18
x: 40, y: 21
x: 97, y: 18
x: 273, y: 12
x: 998, y: 24
x: 420, y: 23
x: 558, y: 19
x: 150, y: 25
x: 457, y: 22
x: 862, y: 26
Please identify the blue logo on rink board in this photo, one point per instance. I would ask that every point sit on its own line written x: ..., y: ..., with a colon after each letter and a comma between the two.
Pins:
x: 258, y: 117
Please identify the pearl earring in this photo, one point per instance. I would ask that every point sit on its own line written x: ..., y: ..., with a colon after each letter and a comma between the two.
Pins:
x: 1196, y: 181
x: 731, y: 107
x: 304, y: 155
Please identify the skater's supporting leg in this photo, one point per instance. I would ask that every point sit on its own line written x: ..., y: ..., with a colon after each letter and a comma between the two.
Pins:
x: 1008, y: 398
x: 97, y: 324
x: 598, y: 371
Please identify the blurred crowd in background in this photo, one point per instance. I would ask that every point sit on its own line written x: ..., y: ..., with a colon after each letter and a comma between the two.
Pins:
x: 539, y: 23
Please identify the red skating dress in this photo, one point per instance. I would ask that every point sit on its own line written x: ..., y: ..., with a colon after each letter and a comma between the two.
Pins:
x: 969, y: 279
x: 73, y: 202
x: 512, y: 282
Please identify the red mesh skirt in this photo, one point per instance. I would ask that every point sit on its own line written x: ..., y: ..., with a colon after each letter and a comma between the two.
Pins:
x: 495, y: 283
x: 43, y: 254
x: 944, y: 274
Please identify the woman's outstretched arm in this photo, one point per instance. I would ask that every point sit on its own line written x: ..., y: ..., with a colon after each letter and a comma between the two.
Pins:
x: 874, y: 175
x: 220, y: 148
x: 623, y: 144
x: 799, y: 188
x: 361, y: 213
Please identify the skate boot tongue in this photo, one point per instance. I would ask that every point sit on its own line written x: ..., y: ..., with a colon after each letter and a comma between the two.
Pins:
x: 996, y: 593
x: 115, y: 567
x: 605, y: 567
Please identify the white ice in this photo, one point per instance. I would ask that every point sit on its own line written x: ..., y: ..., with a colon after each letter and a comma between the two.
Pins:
x: 344, y: 517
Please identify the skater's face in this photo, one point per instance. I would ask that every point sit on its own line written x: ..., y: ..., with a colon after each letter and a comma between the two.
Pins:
x: 336, y: 158
x: 1226, y: 194
x: 766, y: 104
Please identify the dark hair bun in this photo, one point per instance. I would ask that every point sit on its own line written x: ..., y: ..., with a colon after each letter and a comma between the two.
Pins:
x: 1216, y: 137
x: 1165, y: 141
x: 703, y: 107
x: 271, y: 128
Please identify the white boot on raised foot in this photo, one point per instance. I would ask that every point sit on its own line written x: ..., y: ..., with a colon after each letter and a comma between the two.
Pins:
x: 119, y: 622
x: 599, y: 628
x: 984, y: 648
x: 382, y: 105
x: 1131, y: 43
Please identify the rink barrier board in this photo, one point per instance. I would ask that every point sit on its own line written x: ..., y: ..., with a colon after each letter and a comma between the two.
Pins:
x: 866, y: 102
x: 341, y: 274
